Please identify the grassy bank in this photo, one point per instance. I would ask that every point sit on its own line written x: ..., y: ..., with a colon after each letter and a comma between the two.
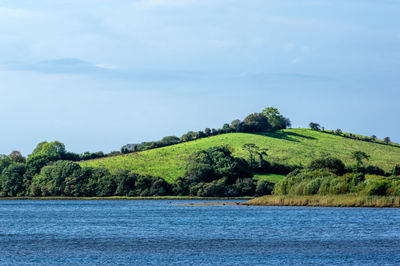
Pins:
x: 128, y: 198
x: 291, y: 146
x: 326, y: 201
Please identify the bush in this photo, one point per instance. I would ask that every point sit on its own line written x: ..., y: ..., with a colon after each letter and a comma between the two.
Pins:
x: 12, y: 179
x: 328, y: 163
x: 264, y: 187
x: 375, y: 187
x: 312, y: 187
x: 394, y: 189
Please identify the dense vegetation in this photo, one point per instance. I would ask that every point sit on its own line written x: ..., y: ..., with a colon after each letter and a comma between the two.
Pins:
x: 329, y: 176
x: 286, y: 147
x: 257, y: 153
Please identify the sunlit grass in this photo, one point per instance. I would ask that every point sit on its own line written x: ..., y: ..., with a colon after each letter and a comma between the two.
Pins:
x: 291, y: 146
x: 273, y: 178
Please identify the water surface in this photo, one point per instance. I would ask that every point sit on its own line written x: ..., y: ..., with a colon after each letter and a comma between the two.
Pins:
x: 163, y: 232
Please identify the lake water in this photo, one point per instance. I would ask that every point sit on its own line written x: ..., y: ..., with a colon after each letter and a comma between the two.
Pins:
x: 162, y: 232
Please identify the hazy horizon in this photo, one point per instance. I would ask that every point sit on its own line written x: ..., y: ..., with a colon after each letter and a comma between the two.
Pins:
x: 96, y: 75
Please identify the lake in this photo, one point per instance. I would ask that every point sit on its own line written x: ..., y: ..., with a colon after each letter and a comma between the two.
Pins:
x: 164, y: 232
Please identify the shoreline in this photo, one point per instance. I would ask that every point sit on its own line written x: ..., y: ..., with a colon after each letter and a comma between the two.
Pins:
x: 326, y: 201
x: 127, y: 198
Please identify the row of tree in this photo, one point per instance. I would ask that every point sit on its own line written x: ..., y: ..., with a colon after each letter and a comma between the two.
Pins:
x: 268, y: 120
x: 212, y: 172
x: 339, y: 132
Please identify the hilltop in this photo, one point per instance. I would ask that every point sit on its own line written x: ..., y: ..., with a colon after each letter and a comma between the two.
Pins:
x: 288, y: 146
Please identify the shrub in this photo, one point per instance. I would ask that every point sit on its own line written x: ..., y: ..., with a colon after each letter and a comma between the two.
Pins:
x: 328, y: 163
x: 375, y: 187
x: 264, y: 187
x: 312, y: 187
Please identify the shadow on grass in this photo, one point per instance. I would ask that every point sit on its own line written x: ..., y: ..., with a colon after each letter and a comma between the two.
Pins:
x: 286, y: 135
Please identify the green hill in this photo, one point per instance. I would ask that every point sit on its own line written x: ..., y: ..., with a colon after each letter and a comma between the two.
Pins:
x: 290, y: 146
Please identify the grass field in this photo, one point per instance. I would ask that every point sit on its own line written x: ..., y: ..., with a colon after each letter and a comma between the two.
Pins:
x: 273, y: 178
x: 291, y: 146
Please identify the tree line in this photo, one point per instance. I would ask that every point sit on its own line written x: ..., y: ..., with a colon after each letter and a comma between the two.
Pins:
x: 211, y: 172
x: 268, y: 120
x: 339, y: 132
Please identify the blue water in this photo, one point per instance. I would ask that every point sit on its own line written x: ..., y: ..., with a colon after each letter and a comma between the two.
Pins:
x: 163, y: 232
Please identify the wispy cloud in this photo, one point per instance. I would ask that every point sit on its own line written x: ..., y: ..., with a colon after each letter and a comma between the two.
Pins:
x: 169, y: 3
x: 58, y: 66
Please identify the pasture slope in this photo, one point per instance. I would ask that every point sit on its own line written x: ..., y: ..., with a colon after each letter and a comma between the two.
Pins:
x: 290, y: 146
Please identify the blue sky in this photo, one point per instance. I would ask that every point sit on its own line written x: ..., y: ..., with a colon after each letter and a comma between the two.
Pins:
x: 97, y: 74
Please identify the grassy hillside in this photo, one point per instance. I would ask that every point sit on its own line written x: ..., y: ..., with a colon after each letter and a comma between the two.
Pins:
x: 291, y: 146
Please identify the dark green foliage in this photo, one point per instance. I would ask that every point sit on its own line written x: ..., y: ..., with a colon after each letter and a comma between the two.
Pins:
x: 170, y: 140
x: 215, y: 172
x: 331, y: 163
x: 52, y: 178
x: 188, y: 136
x: 375, y: 187
x: 325, y: 181
x: 5, y: 161
x: 373, y: 170
x: 12, y: 179
x: 35, y: 163
x: 264, y: 187
x: 315, y: 126
x: 213, y: 164
x: 17, y: 157
x: 269, y: 120
x: 256, y: 122
x: 236, y: 125
x: 275, y: 119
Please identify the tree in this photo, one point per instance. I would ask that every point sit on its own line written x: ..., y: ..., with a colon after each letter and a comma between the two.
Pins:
x: 359, y: 156
x: 264, y: 187
x: 275, y: 119
x: 188, y: 136
x: 5, y: 161
x: 226, y: 128
x: 338, y: 131
x: 373, y: 138
x: 328, y: 163
x: 236, y: 125
x: 12, y: 180
x: 207, y: 131
x: 35, y: 163
x: 17, y: 157
x: 386, y: 140
x: 52, y: 178
x: 256, y: 123
x: 54, y: 150
x: 315, y: 126
x: 170, y: 140
x: 252, y: 149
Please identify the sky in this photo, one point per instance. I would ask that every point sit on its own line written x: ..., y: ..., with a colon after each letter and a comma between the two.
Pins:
x: 98, y: 74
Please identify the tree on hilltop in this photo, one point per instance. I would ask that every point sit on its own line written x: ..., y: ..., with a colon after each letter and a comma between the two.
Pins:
x: 314, y: 126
